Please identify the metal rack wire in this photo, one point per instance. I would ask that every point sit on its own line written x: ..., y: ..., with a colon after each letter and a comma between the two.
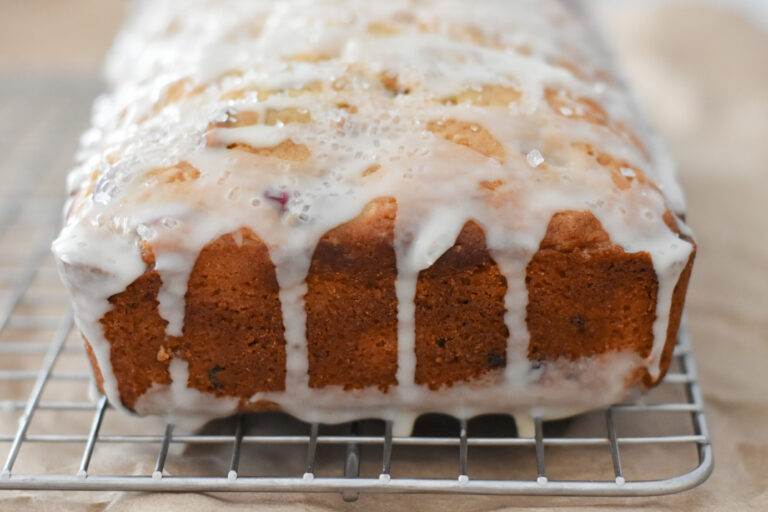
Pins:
x: 36, y: 336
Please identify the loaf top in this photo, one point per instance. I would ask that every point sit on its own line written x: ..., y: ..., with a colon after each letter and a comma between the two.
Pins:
x: 290, y: 117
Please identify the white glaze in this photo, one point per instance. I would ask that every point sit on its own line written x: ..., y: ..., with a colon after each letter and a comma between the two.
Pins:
x: 182, y: 405
x: 435, y: 182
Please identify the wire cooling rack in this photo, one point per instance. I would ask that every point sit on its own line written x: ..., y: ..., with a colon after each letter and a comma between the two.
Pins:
x: 57, y: 433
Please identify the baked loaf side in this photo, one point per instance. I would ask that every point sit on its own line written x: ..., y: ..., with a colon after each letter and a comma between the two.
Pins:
x: 343, y: 209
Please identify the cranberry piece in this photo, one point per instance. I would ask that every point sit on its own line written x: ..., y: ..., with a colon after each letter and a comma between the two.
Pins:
x: 280, y: 197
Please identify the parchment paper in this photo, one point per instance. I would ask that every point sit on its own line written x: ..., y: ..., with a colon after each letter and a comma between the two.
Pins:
x: 703, y: 74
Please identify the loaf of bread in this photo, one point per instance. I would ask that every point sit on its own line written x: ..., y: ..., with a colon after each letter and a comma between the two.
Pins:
x: 345, y: 209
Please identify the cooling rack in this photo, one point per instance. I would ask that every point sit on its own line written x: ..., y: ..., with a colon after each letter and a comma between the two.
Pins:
x: 57, y: 433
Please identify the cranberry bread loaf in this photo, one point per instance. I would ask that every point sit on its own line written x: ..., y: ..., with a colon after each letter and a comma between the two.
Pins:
x: 346, y: 209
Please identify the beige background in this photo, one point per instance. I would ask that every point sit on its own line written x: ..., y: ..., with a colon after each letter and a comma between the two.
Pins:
x: 703, y: 74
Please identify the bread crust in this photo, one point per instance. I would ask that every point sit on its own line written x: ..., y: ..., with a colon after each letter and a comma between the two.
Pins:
x: 351, y: 303
x: 587, y: 297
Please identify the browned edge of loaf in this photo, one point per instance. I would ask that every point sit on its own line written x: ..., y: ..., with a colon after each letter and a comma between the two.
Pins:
x: 586, y: 297
x: 351, y: 303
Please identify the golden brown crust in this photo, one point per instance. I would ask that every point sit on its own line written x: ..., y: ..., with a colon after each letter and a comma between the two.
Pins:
x: 351, y: 303
x: 233, y: 337
x: 136, y: 331
x: 586, y: 297
x: 460, y: 329
x: 571, y: 230
x: 470, y: 135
